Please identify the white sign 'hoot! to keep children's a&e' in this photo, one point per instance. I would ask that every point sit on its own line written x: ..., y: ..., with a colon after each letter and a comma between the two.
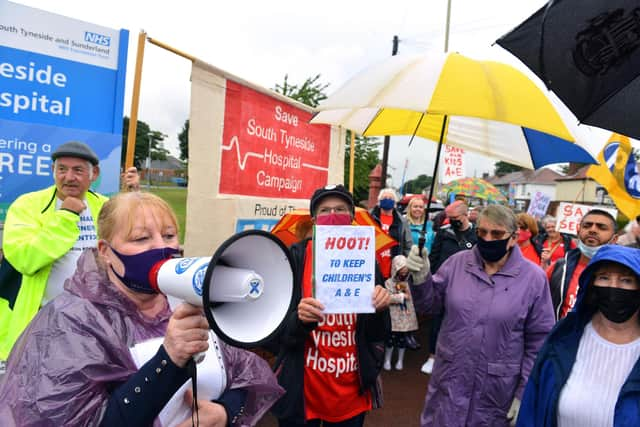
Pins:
x: 344, y: 268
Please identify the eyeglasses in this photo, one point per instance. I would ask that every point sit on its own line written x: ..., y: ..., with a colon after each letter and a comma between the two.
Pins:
x: 495, y: 234
x: 326, y: 210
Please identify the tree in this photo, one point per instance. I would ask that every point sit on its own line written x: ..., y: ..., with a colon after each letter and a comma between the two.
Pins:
x: 311, y: 92
x: 366, y: 157
x: 183, y: 137
x: 367, y: 154
x: 148, y: 144
x: 503, y: 168
x: 417, y: 185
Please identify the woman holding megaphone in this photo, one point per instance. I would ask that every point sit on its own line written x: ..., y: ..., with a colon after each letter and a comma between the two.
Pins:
x: 110, y: 351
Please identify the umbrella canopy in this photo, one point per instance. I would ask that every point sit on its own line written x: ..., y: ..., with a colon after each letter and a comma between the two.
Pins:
x: 482, y: 106
x: 297, y: 225
x: 586, y: 52
x: 474, y: 187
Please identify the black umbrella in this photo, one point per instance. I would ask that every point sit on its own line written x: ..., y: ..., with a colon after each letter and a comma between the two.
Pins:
x: 588, y: 53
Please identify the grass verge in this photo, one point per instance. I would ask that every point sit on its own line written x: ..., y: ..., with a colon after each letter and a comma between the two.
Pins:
x: 176, y: 197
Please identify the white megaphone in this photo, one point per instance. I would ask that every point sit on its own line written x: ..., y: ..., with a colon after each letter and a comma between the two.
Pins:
x: 246, y: 287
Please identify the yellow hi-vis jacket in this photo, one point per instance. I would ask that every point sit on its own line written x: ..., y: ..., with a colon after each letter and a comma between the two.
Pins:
x: 35, y: 236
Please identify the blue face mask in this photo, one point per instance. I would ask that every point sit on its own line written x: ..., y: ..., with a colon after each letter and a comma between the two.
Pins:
x: 588, y: 251
x: 387, y: 204
x: 138, y: 266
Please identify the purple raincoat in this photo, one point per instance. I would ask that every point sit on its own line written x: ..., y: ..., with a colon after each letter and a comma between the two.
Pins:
x: 77, y: 347
x: 492, y: 330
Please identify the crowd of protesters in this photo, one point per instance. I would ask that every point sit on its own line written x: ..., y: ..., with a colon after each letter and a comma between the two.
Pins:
x: 526, y: 322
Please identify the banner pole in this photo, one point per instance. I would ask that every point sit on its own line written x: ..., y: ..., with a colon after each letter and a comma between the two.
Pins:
x: 135, y: 101
x: 171, y: 49
x: 352, y: 161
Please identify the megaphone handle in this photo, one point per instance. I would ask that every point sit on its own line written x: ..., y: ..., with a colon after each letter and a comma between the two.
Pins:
x: 199, y: 357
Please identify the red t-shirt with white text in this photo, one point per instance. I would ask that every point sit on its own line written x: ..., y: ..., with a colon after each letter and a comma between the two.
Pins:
x: 331, y: 382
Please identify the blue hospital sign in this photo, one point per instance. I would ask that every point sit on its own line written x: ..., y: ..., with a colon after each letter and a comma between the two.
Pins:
x: 61, y: 79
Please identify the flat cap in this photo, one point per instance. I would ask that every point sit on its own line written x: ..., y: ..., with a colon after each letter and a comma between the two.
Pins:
x: 75, y: 149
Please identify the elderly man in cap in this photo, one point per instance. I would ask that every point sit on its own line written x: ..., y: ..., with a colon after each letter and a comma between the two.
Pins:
x: 332, y: 380
x: 46, y: 231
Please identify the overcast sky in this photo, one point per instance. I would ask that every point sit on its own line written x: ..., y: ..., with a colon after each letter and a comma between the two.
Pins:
x: 261, y: 41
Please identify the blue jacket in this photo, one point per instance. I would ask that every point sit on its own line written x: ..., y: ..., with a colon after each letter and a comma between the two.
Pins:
x: 558, y: 354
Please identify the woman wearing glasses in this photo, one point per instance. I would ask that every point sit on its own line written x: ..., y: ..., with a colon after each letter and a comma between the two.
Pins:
x: 497, y: 313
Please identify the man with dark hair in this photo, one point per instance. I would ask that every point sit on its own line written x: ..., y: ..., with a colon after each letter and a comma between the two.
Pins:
x: 328, y: 379
x: 45, y: 233
x: 596, y: 229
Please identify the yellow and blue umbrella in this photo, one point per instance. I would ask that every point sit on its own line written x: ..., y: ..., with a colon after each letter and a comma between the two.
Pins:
x: 487, y: 107
x: 483, y: 106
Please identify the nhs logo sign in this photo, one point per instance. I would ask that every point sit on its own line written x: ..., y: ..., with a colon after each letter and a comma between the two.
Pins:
x: 97, y: 38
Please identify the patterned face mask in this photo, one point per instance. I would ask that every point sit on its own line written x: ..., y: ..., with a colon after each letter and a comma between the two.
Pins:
x: 137, y: 267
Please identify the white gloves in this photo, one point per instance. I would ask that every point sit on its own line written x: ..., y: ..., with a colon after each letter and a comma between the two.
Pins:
x: 512, y: 415
x: 418, y: 264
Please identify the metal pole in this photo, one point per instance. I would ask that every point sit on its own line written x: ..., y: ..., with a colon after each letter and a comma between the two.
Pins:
x: 135, y: 101
x: 149, y: 162
x: 352, y: 160
x: 434, y: 181
x: 387, y: 138
x: 446, y: 31
x: 423, y: 233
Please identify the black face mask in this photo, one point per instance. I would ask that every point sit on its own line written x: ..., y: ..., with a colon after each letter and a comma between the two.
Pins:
x: 617, y: 305
x: 456, y: 224
x: 492, y: 250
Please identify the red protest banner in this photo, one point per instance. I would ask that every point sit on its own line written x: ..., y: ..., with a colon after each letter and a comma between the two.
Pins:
x: 269, y: 149
x: 570, y: 215
x: 453, y: 164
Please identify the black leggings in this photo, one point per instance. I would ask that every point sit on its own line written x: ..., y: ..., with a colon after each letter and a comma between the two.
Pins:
x: 357, y: 421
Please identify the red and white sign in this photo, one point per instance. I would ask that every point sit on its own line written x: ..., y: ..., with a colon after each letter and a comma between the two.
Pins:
x: 570, y: 215
x: 453, y: 164
x: 269, y: 149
